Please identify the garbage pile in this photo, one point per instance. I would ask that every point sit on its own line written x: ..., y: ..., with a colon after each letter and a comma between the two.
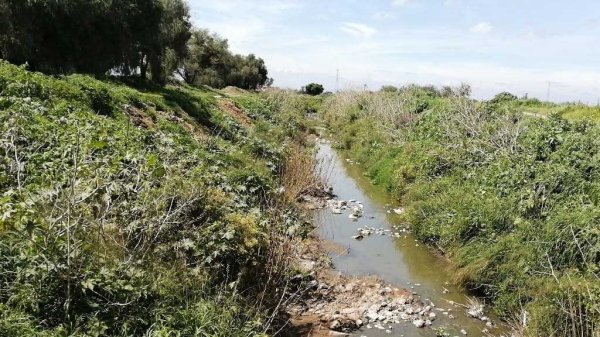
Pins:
x: 355, y: 208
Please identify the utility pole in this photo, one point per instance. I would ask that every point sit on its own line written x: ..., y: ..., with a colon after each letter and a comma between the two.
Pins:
x: 337, y: 80
x: 548, y: 93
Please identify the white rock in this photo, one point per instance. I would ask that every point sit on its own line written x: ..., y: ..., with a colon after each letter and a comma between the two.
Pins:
x: 399, y: 210
x: 419, y: 323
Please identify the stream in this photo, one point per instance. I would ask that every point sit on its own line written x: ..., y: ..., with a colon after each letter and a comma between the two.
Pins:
x: 403, y: 261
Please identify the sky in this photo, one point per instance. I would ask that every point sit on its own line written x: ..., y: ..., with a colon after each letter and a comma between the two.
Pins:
x: 542, y: 48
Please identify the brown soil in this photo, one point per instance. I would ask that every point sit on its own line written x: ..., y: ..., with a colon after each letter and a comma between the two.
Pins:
x: 138, y: 117
x: 235, y: 112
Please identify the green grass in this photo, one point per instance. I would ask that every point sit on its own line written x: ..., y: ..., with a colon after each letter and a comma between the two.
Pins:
x: 570, y: 111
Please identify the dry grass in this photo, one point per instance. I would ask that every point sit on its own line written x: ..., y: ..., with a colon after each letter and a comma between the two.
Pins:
x: 301, y: 173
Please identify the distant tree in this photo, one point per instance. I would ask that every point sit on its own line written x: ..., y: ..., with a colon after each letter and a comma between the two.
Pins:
x: 504, y: 97
x: 313, y: 89
x: 446, y: 91
x: 463, y: 90
x: 388, y: 88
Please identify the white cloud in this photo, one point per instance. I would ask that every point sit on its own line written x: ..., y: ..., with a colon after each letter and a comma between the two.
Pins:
x: 400, y: 3
x: 482, y: 28
x: 382, y: 16
x: 357, y: 29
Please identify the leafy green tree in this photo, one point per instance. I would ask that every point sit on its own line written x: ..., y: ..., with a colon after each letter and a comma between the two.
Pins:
x: 504, y: 97
x: 388, y: 88
x: 207, y: 59
x: 313, y: 89
x: 171, y: 46
x: 210, y: 62
x: 75, y: 36
x: 68, y: 36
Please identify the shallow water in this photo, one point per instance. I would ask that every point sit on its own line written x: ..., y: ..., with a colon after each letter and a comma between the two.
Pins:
x: 403, y: 261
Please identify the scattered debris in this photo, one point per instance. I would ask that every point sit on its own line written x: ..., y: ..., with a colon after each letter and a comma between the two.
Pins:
x: 338, y: 206
x: 476, y: 310
x: 316, y: 197
x: 399, y: 210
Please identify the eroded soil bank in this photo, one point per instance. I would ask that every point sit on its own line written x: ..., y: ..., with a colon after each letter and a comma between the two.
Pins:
x: 368, y: 274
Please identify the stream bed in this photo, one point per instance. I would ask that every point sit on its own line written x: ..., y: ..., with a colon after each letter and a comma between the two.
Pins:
x: 401, y: 261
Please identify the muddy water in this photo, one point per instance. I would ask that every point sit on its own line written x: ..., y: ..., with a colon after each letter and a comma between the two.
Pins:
x: 402, y: 261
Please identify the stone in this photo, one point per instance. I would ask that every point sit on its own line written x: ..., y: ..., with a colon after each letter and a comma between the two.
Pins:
x: 347, y: 311
x: 463, y: 331
x: 419, y: 323
x: 399, y: 210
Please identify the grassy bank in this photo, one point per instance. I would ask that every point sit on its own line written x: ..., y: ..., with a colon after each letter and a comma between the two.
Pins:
x: 512, y: 199
x: 128, y: 209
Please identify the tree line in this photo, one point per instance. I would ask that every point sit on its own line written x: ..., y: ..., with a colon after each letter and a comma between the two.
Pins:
x: 153, y: 39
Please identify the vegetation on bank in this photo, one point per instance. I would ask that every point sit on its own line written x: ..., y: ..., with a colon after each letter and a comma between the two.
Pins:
x: 129, y: 209
x: 511, y: 198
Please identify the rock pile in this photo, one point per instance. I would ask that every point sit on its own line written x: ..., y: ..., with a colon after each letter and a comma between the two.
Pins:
x: 355, y: 207
x: 368, y: 231
x: 353, y: 303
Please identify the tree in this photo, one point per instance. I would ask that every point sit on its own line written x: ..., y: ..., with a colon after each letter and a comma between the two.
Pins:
x: 75, y: 36
x: 313, y: 89
x: 503, y: 97
x: 463, y: 90
x: 171, y: 46
x: 209, y: 62
x: 388, y: 88
x: 94, y: 37
x: 207, y: 59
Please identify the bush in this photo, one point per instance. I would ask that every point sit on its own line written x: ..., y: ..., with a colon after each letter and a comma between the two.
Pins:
x: 313, y: 89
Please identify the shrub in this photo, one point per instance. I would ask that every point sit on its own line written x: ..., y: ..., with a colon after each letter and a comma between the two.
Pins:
x: 313, y: 89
